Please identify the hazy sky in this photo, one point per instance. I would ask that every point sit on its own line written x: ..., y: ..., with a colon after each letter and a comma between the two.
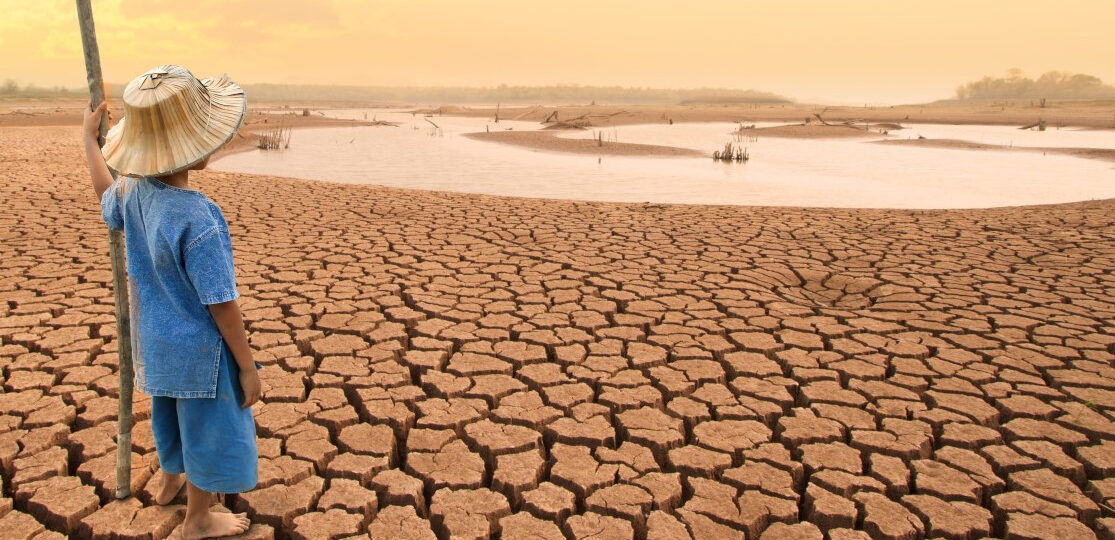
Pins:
x: 879, y: 51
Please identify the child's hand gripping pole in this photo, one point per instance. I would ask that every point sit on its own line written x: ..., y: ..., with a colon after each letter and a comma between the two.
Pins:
x: 92, y: 138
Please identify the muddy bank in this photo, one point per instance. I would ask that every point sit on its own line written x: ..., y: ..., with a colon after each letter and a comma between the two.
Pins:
x: 812, y: 131
x: 1105, y: 154
x: 550, y: 141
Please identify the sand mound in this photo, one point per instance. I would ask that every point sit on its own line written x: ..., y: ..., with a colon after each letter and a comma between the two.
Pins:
x: 549, y: 141
x: 809, y: 131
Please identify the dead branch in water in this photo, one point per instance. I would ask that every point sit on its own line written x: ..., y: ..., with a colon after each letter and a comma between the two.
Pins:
x: 846, y: 123
x: 584, y: 120
x: 535, y: 108
x: 436, y: 131
x: 730, y: 153
x: 276, y: 138
x: 1039, y: 125
x: 564, y: 125
x: 609, y: 115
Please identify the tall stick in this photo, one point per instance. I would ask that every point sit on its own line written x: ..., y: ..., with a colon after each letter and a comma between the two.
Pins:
x: 119, y: 270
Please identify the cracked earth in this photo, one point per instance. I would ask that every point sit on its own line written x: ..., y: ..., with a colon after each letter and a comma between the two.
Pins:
x: 454, y: 366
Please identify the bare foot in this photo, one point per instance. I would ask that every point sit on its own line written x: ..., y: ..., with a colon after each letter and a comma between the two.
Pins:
x: 171, y: 486
x: 214, y: 525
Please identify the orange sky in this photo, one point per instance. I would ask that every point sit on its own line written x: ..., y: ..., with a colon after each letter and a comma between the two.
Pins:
x: 878, y: 51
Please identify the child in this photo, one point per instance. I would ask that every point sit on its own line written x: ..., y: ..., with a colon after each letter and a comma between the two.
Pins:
x: 189, y: 346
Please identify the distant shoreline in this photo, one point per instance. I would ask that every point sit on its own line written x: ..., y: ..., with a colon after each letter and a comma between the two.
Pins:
x: 1094, y: 115
x: 1069, y: 115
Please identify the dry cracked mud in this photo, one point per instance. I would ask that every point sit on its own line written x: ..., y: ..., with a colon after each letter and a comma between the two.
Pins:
x: 441, y: 365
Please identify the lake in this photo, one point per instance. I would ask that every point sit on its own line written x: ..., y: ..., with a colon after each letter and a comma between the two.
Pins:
x: 850, y: 173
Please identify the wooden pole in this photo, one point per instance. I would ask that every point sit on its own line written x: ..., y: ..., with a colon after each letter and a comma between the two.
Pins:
x: 124, y: 418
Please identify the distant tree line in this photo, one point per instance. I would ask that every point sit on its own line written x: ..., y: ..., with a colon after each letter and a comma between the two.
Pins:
x: 1051, y: 85
x: 555, y: 94
x: 12, y: 88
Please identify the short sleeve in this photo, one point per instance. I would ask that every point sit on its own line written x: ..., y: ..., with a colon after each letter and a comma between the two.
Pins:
x: 209, y: 266
x: 110, y: 207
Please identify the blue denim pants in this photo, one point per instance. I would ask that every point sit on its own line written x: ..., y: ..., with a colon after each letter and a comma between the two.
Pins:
x: 212, y: 440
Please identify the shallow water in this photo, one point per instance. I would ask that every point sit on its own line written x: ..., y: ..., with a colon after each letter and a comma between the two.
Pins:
x: 1012, y: 136
x: 781, y: 172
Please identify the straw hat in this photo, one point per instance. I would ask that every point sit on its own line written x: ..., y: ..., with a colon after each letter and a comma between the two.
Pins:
x: 172, y: 121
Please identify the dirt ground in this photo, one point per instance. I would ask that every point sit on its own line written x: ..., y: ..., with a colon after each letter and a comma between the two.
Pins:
x: 445, y: 365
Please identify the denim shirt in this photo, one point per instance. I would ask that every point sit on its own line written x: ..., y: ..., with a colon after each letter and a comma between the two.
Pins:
x: 179, y: 260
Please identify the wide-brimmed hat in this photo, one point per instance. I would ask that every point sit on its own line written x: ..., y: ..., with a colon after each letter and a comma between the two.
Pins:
x: 172, y: 121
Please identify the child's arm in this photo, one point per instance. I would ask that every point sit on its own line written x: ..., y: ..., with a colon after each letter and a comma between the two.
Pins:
x: 102, y: 179
x: 231, y: 324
